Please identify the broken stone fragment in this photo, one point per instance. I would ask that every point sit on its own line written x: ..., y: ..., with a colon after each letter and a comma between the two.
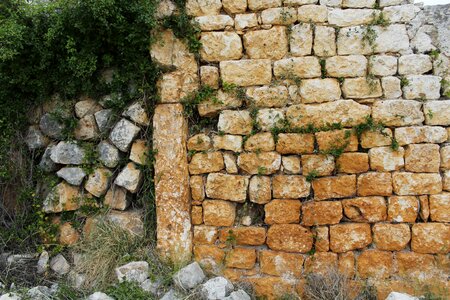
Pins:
x: 59, y: 265
x: 86, y: 128
x: 103, y: 119
x: 67, y: 153
x: 86, y: 107
x: 117, y: 198
x: 63, y: 197
x: 51, y: 127
x: 137, y: 113
x: 189, y: 277
x: 108, y: 155
x: 98, y: 182
x: 129, y: 178
x: 139, y: 152
x: 136, y: 271
x: 73, y: 175
x: 35, y: 139
x: 123, y: 134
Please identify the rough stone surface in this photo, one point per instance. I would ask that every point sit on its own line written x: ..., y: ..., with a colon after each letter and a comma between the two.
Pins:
x: 50, y: 126
x: 398, y: 112
x: 264, y: 163
x: 245, y: 236
x: 320, y: 90
x: 391, y: 87
x: 218, y: 213
x: 272, y: 43
x: 353, y: 163
x: 217, y: 22
x: 290, y: 187
x: 436, y: 112
x: 324, y: 41
x: 384, y: 159
x: 365, y: 209
x: 246, y: 72
x: 189, y: 277
x: 73, y: 175
x: 334, y: 187
x: 336, y: 139
x: 260, y: 190
x: 420, y: 134
x: 260, y: 142
x: 117, y: 198
x: 234, y: 6
x: 289, y: 238
x: 223, y: 101
x: 35, y: 139
x: 203, y: 7
x: 303, y: 67
x: 320, y: 165
x: 350, y: 17
x: 406, y: 183
x: 123, y: 134
x: 227, y: 187
x: 291, y: 164
x: 295, y: 143
x: 312, y: 13
x: 103, y: 119
x: 346, y: 66
x: 422, y: 158
x: 136, y: 271
x: 139, y: 152
x: 199, y: 142
x: 375, y: 264
x: 279, y: 16
x: 228, y: 142
x: 371, y: 139
x: 216, y: 288
x: 350, y: 236
x: 206, y: 163
x: 440, y: 207
x: 235, y: 122
x: 361, y: 88
x: 219, y: 46
x: 414, y: 64
x: 422, y: 87
x: 383, y: 65
x: 241, y: 258
x: 137, y: 113
x: 129, y: 178
x: 282, y: 211
x: 269, y: 118
x: 108, y: 155
x: 375, y: 184
x: 98, y: 182
x: 268, y: 96
x: 430, y: 238
x: 63, y: 197
x: 391, y: 237
x: 59, y: 265
x: 67, y: 153
x: 321, y: 213
x: 301, y: 40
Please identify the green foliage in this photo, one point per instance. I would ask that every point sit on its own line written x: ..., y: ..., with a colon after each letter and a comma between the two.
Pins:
x: 312, y: 175
x: 379, y: 20
x: 404, y: 82
x: 233, y: 89
x: 128, y: 290
x: 323, y: 68
x: 394, y: 144
x: 262, y: 170
x: 231, y: 239
x: 434, y: 54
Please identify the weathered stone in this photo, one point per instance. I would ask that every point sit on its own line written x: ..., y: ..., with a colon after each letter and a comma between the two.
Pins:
x: 209, y: 257
x: 279, y: 16
x: 403, y: 209
x: 346, y: 66
x: 320, y: 90
x: 130, y: 220
x: 303, y: 67
x: 375, y: 264
x: 230, y: 163
x: 67, y: 234
x: 324, y: 41
x: 365, y: 209
x: 264, y: 163
x: 321, y: 263
x: 221, y: 101
x: 383, y: 65
x: 422, y: 87
x: 331, y: 3
x: 422, y: 158
x: 35, y: 139
x: 206, y: 163
x: 375, y: 184
x: 227, y: 187
x: 86, y: 107
x: 209, y: 75
x: 135, y: 271
x: 351, y: 17
x: 241, y: 258
x: 196, y: 215
x: 123, y: 134
x: 218, y: 213
x: 416, y: 265
x: 290, y: 187
x: 445, y: 157
x: 216, y: 288
x: 246, y: 72
x: 391, y: 87
x: 430, y: 238
x: 446, y: 180
x: 280, y: 263
x: 103, y: 118
x: 46, y: 164
x: 117, y: 198
x: 347, y: 112
x: 260, y: 142
x: 397, y: 112
x: 99, y: 296
x: 235, y: 122
x: 129, y: 178
x: 216, y: 22
x: 268, y: 96
x: 67, y: 153
x: 334, y: 187
x: 401, y: 13
x: 139, y: 152
x: 353, y: 163
x: 346, y: 263
x: 391, y: 237
x: 228, y: 142
x: 199, y: 142
x: 86, y: 128
x: 320, y: 165
x: 370, y: 139
x: 260, y: 190
x: 205, y: 234
x: 312, y: 14
x: 385, y: 159
x: 245, y: 236
x: 176, y: 85
x: 203, y: 7
x: 350, y: 236
x: 98, y: 182
x: 420, y: 134
x: 301, y: 40
x: 234, y: 6
x: 291, y: 164
x: 189, y: 277
x: 59, y: 265
x: 73, y: 175
x: 165, y: 8
x: 289, y: 238
x: 295, y: 143
x: 172, y: 295
x: 218, y: 46
x: 51, y: 127
x: 322, y: 239
x: 424, y: 208
x: 414, y: 64
x: 282, y: 211
x: 361, y: 88
x: 269, y: 118
x: 440, y: 207
x: 42, y: 264
x: 321, y: 213
x: 358, y: 3
x: 272, y: 287
x: 436, y: 112
x: 63, y: 197
x: 245, y: 21
x: 416, y: 183
x: 108, y: 155
x: 263, y: 4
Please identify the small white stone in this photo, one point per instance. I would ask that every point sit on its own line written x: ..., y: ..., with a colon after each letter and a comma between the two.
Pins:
x: 130, y: 178
x: 189, y: 277
x: 59, y: 265
x: 123, y: 134
x: 99, y: 296
x: 244, y: 21
x: 414, y: 64
x: 216, y: 288
x: 136, y: 271
x: 400, y: 296
x: 383, y: 65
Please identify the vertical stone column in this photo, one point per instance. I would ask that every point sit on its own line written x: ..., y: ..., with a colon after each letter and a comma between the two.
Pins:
x: 172, y: 183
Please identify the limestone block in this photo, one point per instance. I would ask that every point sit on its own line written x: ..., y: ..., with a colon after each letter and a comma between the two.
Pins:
x: 303, y: 67
x: 206, y: 163
x: 263, y: 4
x: 67, y: 153
x: 218, y: 46
x: 414, y: 64
x: 46, y: 164
x: 264, y: 163
x: 218, y: 212
x: 397, y: 112
x: 331, y: 3
x: 436, y: 112
x: 262, y: 141
x: 334, y: 187
x: 383, y: 65
x: 370, y: 139
x: 197, y: 188
x: 346, y: 66
x: 424, y: 208
x: 391, y: 87
x: 139, y: 152
x: 301, y: 39
x: 416, y: 183
x: 289, y: 238
x: 73, y: 175
x: 228, y: 142
x: 346, y: 263
x: 245, y: 21
x: 384, y: 3
x: 196, y: 215
x: 108, y: 155
x: 227, y: 187
x: 245, y: 236
x: 260, y: 189
x: 345, y: 138
x: 282, y: 211
x: 350, y: 17
x: 103, y: 119
x: 391, y: 237
x: 361, y: 88
x: 347, y: 112
x: 401, y: 13
x: 321, y: 165
x: 137, y: 113
x: 403, y: 209
x: 117, y: 198
x: 222, y: 101
x: 358, y: 3
x: 365, y: 209
x: 246, y: 72
x: 312, y: 14
x: 324, y: 41
x: 384, y: 159
x: 375, y: 264
x: 86, y: 107
x: 349, y: 236
x: 279, y: 16
x: 203, y: 7
x: 63, y: 197
x: 86, y: 128
x: 430, y: 238
x: 35, y: 139
x: 205, y: 234
x: 98, y: 182
x: 440, y: 207
x: 235, y: 122
x: 269, y: 118
x: 230, y: 163
x: 123, y: 134
x: 130, y: 178
x: 320, y: 90
x: 174, y: 86
x: 234, y: 6
x: 209, y: 257
x: 420, y: 134
x: 295, y: 143
x: 321, y: 213
x: 290, y: 187
x: 445, y: 157
x: 268, y: 96
x: 241, y: 258
x: 422, y: 87
x: 422, y: 158
x: 209, y: 75
x: 416, y: 265
x: 215, y: 22
x: 67, y: 234
x: 199, y: 142
x: 189, y: 276
x: 375, y: 184
x: 291, y: 164
x: 353, y: 163
x: 280, y: 263
x: 299, y: 2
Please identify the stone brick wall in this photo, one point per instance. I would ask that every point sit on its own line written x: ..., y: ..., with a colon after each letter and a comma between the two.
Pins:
x: 329, y: 145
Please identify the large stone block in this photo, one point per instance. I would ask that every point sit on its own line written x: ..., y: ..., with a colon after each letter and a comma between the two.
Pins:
x: 422, y: 87
x: 289, y: 238
x: 301, y: 40
x: 445, y: 157
x: 290, y: 187
x: 370, y: 139
x: 375, y: 264
x: 321, y: 213
x: 271, y: 43
x: 260, y: 189
x: 245, y: 21
x: 268, y: 96
x: 291, y: 164
x: 420, y: 134
x: 228, y: 142
x: 436, y: 112
x: 414, y: 64
x: 321, y: 262
x: 358, y: 3
x: 209, y: 162
x: 430, y: 238
x: 346, y: 66
x: 227, y: 187
x: 361, y: 88
x: 375, y: 184
x: 259, y: 163
x: 234, y: 6
x: 280, y: 263
x: 246, y: 72
x: 383, y: 65
x: 397, y: 112
x: 391, y: 237
x: 406, y: 183
x: 241, y: 258
x: 203, y: 7
x: 334, y: 187
x: 123, y: 134
x: 282, y: 211
x: 130, y: 178
x: 63, y: 197
x: 320, y: 90
x: 245, y: 236
x: 324, y: 41
x: 205, y: 234
x: 218, y: 213
x: 351, y: 17
x: 218, y: 46
x: 302, y: 67
x: 391, y: 87
x: 337, y: 139
x: 279, y: 16
x: 235, y: 122
x: 416, y: 265
x: 263, y: 4
x: 401, y: 13
x: 385, y: 159
x: 197, y: 188
x: 312, y: 13
x: 269, y: 118
x: 350, y: 236
x: 222, y: 101
x: 422, y: 158
x: 440, y: 207
x: 209, y: 257
x: 262, y: 141
x: 216, y: 22
x: 320, y: 165
x: 365, y: 209
x: 68, y: 153
x: 353, y: 163
x: 295, y: 143
x: 98, y: 182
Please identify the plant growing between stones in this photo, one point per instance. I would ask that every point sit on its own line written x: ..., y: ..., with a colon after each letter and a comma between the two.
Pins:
x: 312, y: 175
x: 404, y: 82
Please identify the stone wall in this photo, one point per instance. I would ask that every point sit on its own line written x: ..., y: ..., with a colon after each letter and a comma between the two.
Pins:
x: 329, y: 147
